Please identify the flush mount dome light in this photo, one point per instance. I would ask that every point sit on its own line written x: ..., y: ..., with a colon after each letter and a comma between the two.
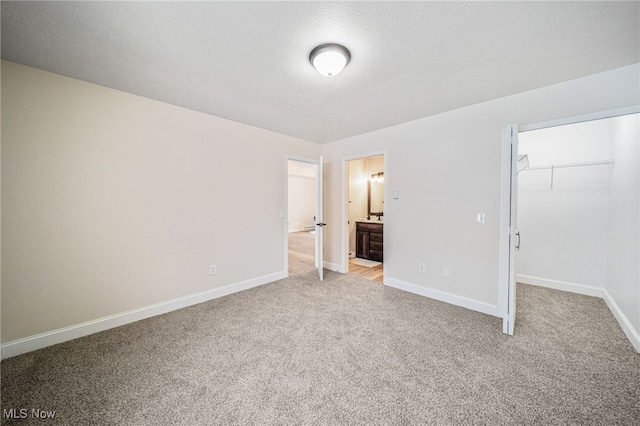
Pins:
x: 329, y: 59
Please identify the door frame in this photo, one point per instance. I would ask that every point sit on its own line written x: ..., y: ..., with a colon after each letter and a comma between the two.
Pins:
x: 344, y: 255
x: 506, y: 257
x: 288, y: 157
x: 319, y: 218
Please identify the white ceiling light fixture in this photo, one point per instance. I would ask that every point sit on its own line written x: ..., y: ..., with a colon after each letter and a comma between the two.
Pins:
x: 329, y: 59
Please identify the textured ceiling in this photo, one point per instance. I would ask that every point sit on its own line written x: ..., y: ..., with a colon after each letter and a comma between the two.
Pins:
x: 248, y: 61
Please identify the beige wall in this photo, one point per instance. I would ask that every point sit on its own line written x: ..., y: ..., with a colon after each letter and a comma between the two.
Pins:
x: 447, y: 169
x: 112, y: 202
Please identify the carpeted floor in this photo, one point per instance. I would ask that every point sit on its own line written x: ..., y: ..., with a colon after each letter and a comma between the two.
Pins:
x: 344, y: 351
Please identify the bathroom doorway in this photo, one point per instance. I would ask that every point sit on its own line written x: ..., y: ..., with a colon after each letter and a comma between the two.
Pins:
x: 365, y: 215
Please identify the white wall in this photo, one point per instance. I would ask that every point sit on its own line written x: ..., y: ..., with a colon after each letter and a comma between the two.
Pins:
x: 623, y: 256
x: 112, y: 202
x: 302, y: 195
x: 447, y: 169
x: 564, y: 229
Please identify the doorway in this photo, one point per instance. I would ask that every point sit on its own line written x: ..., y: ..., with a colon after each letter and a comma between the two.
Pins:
x: 363, y: 209
x: 301, y: 212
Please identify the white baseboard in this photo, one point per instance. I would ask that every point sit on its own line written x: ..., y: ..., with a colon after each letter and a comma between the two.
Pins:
x: 442, y: 296
x: 628, y: 329
x: 332, y: 266
x: 631, y: 333
x: 39, y: 341
x: 587, y: 290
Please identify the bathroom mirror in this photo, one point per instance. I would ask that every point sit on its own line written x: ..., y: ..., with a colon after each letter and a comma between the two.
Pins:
x: 375, y: 187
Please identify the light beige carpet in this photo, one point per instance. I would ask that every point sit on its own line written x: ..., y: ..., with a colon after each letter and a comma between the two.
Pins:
x: 299, y: 351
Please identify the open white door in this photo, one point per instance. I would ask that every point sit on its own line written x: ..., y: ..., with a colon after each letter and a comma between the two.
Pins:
x: 319, y: 221
x: 512, y: 235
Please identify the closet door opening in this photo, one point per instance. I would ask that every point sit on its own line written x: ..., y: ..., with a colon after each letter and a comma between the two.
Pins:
x: 577, y: 198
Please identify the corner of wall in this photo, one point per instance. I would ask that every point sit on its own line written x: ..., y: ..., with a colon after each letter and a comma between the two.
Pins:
x: 632, y: 334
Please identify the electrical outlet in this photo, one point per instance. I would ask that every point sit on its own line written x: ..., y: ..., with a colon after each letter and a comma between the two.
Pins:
x: 212, y: 270
x: 445, y: 271
x: 421, y: 267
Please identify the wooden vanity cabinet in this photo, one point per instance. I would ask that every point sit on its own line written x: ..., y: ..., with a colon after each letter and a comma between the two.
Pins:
x: 369, y: 240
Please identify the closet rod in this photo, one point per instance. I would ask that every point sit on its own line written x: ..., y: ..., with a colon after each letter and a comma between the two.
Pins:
x: 558, y: 166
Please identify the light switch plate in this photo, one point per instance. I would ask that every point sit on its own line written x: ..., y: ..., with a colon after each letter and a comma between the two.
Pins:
x: 396, y: 194
x: 480, y: 218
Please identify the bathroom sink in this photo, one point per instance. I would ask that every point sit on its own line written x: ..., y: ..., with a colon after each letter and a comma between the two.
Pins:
x: 372, y: 220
